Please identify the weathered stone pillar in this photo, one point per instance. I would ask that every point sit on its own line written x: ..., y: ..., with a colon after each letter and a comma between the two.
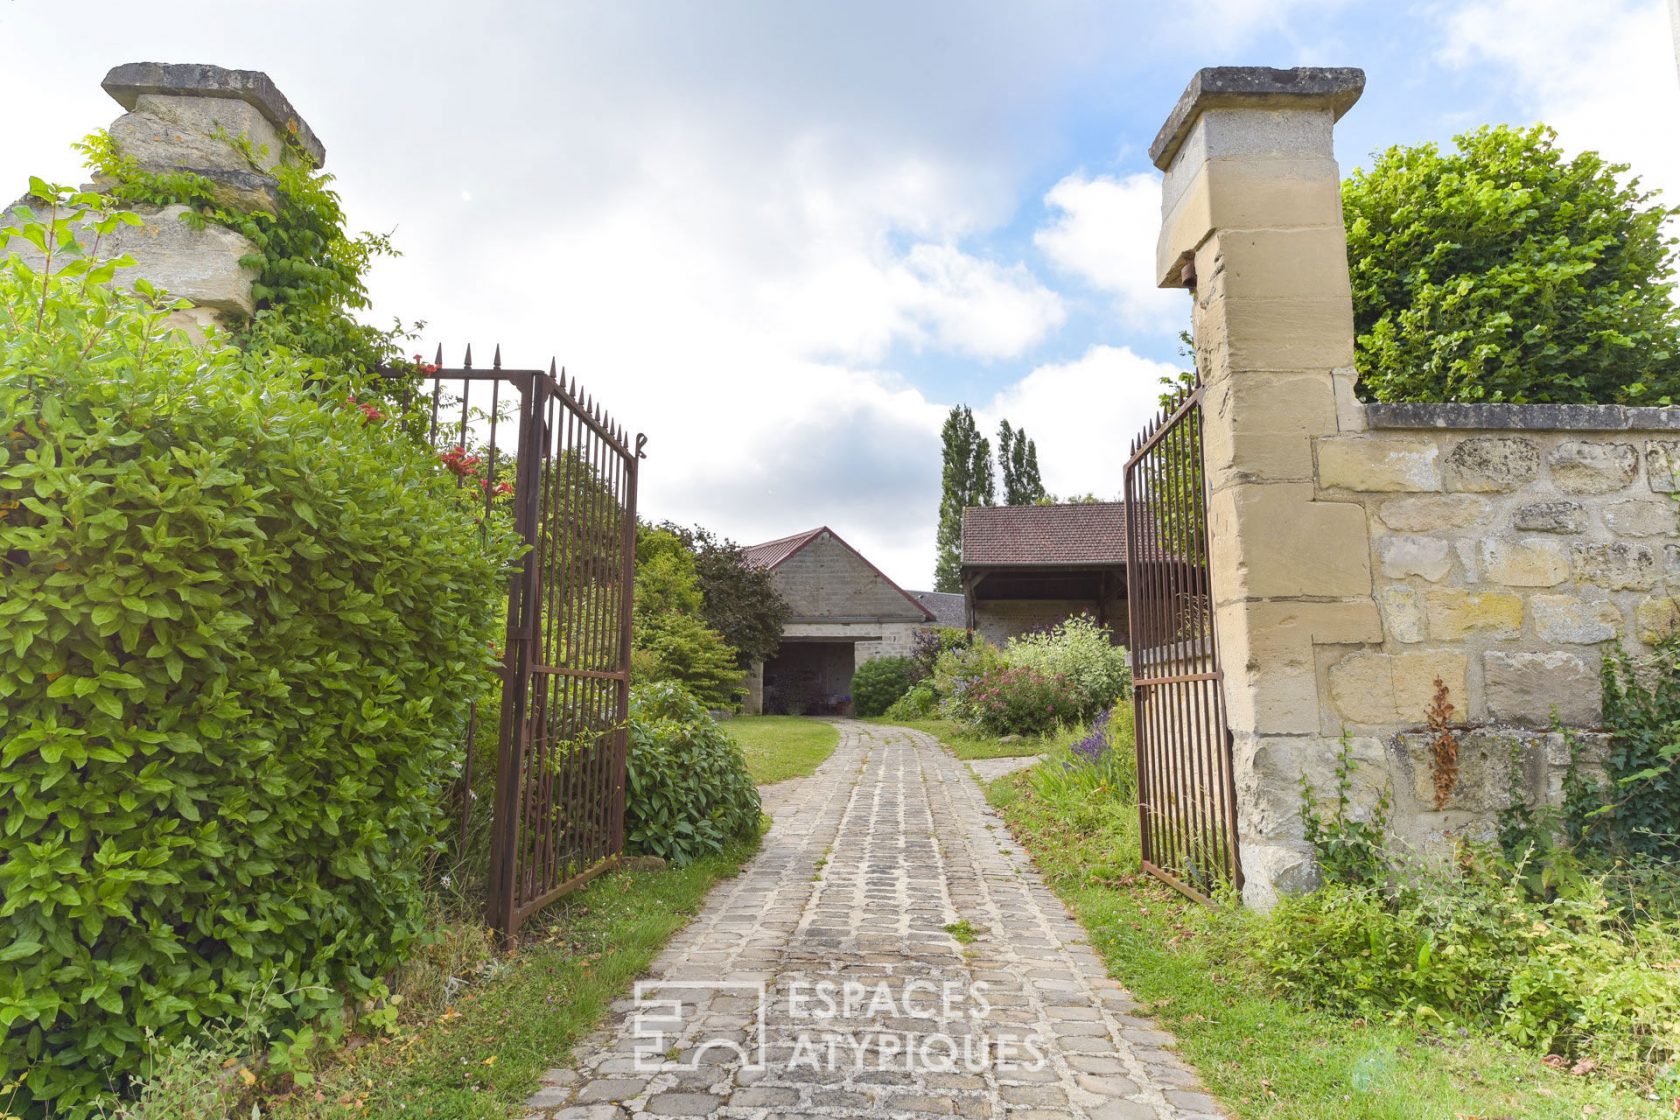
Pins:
x: 1252, y: 224
x: 232, y: 128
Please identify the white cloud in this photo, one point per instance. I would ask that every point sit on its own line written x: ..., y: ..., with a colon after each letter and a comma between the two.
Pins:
x: 1082, y: 415
x: 1603, y: 74
x: 1105, y: 234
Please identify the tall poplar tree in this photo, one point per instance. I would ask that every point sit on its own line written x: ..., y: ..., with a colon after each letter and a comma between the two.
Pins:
x: 966, y: 481
x: 1018, y: 456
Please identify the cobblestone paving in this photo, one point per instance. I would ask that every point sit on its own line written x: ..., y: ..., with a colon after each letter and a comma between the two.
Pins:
x: 878, y: 1001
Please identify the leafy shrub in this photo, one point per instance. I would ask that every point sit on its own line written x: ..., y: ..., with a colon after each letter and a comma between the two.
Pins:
x: 1348, y: 849
x: 1020, y: 702
x: 1504, y: 272
x: 1641, y: 813
x: 243, y: 628
x: 928, y: 644
x: 1083, y: 655
x: 1554, y: 958
x: 1101, y: 763
x: 878, y: 683
x: 955, y: 673
x: 921, y: 702
x: 688, y: 791
x: 1475, y: 948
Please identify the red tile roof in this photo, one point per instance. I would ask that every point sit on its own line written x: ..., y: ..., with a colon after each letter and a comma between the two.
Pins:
x: 1044, y: 536
x: 771, y: 553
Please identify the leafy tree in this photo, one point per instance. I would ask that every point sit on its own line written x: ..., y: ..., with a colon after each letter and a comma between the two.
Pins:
x: 669, y: 631
x: 967, y: 481
x: 1503, y: 271
x: 738, y: 599
x: 1018, y: 456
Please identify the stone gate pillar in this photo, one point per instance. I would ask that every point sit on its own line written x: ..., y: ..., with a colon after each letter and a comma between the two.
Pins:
x: 231, y: 129
x: 1252, y: 225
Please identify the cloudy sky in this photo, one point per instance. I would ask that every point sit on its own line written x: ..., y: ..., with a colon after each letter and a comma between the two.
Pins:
x: 783, y: 239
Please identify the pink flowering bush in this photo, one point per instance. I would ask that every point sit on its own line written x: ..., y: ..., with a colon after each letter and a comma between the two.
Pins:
x: 1021, y: 701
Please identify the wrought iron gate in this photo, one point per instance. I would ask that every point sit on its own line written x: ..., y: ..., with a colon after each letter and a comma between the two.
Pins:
x: 1186, y: 795
x: 537, y: 445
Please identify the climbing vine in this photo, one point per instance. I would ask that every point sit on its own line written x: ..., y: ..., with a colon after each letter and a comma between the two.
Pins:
x: 311, y: 272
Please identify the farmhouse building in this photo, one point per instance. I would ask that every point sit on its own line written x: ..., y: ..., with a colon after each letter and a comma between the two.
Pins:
x: 843, y: 612
x: 1025, y: 567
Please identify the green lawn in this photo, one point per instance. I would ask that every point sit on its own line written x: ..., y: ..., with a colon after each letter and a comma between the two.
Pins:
x: 782, y: 747
x: 482, y: 1057
x: 966, y: 744
x: 1261, y: 1054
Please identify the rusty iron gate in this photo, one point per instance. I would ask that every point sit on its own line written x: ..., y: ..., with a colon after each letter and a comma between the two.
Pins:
x: 1186, y: 795
x: 546, y: 455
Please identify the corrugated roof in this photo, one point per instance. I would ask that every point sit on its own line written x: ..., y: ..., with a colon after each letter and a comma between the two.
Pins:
x: 771, y: 553
x: 947, y: 607
x: 1090, y: 533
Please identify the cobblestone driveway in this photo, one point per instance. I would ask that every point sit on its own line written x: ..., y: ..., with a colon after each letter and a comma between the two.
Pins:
x: 872, y: 1006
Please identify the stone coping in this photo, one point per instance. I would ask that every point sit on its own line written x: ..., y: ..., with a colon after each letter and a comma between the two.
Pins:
x: 1258, y: 87
x: 1523, y: 417
x: 127, y: 82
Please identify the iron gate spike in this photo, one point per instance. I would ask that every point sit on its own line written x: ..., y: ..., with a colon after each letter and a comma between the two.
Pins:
x: 468, y: 363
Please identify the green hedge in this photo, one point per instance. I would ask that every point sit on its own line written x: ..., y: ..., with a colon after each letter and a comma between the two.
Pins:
x: 688, y: 792
x: 878, y: 683
x: 242, y: 624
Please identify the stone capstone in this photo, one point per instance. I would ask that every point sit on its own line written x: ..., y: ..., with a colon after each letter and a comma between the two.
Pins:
x: 1526, y: 688
x: 131, y: 81
x: 1582, y: 467
x: 1493, y: 463
x: 1303, y: 88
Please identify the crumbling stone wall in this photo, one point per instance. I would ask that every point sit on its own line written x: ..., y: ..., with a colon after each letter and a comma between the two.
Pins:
x: 1361, y: 552
x: 230, y: 127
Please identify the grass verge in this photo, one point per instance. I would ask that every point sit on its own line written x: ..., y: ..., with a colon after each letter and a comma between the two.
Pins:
x: 782, y: 747
x: 966, y: 744
x: 482, y: 1057
x: 1263, y: 1055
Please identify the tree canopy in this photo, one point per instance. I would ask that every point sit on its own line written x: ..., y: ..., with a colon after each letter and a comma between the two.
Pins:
x: 1018, y: 456
x: 966, y: 481
x: 1504, y: 271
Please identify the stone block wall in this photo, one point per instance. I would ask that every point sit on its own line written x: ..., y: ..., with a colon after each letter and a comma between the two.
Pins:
x: 1360, y: 553
x: 1507, y: 546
